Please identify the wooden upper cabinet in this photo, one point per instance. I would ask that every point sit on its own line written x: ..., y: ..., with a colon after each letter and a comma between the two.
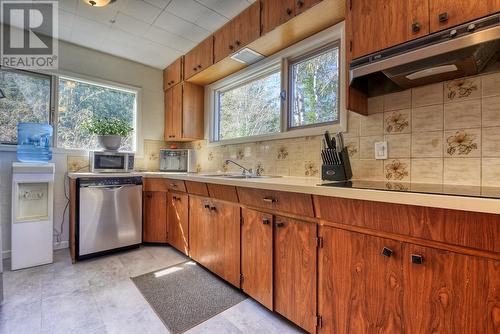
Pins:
x: 359, y: 289
x: 184, y: 119
x: 154, y: 217
x: 199, y: 58
x: 449, y: 292
x: 449, y: 13
x: 417, y: 20
x: 376, y: 25
x: 303, y: 5
x: 257, y: 256
x: 240, y: 31
x: 275, y: 13
x: 172, y: 75
x: 177, y: 221
x: 295, y: 271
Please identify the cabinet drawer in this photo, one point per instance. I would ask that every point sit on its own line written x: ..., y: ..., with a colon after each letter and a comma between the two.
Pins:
x: 296, y: 203
x: 197, y: 188
x: 223, y: 192
x: 177, y: 185
x: 149, y: 184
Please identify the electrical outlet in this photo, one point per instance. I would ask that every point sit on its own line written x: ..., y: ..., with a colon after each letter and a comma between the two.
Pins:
x: 381, y: 150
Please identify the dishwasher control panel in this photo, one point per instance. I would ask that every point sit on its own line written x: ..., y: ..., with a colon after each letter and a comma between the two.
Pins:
x: 110, y: 181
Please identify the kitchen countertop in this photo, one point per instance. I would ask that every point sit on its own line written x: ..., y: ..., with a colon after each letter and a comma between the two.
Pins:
x: 457, y: 197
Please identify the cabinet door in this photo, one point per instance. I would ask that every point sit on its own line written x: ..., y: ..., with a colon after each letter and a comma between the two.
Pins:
x: 257, y: 256
x: 176, y: 112
x: 376, y: 25
x: 199, y: 58
x: 449, y: 13
x: 155, y: 217
x: 295, y: 271
x: 246, y: 26
x: 177, y: 226
x: 172, y: 75
x: 359, y: 289
x: 199, y: 230
x: 449, y: 292
x: 303, y: 5
x: 275, y: 13
x: 168, y: 126
x: 192, y: 120
x: 225, y: 241
x: 223, y: 41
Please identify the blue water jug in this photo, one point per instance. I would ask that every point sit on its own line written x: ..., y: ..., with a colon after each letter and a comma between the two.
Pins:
x: 34, y: 142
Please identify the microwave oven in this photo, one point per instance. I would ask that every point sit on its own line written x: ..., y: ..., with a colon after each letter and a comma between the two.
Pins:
x: 178, y: 160
x: 111, y: 162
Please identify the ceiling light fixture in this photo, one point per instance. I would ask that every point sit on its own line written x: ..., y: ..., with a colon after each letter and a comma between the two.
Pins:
x: 98, y: 3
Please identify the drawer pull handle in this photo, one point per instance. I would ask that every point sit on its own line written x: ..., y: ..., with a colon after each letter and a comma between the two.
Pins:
x: 289, y: 11
x: 213, y: 208
x: 443, y: 17
x: 270, y: 200
x: 206, y: 206
x: 280, y: 224
x: 387, y: 252
x: 173, y: 185
x: 415, y: 27
x: 265, y: 221
x: 417, y: 259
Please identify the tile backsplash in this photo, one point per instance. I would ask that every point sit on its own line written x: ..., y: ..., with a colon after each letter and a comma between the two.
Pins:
x: 447, y: 132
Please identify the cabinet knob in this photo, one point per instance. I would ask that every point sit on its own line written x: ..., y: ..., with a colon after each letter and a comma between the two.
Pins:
x: 199, y: 66
x: 280, y: 224
x: 415, y: 27
x: 417, y: 259
x: 453, y: 33
x: 443, y: 17
x: 148, y: 195
x: 213, y: 208
x: 270, y: 200
x: 237, y: 43
x: 206, y: 206
x: 195, y: 69
x: 289, y: 11
x: 300, y: 3
x: 265, y: 221
x: 387, y: 252
x: 231, y: 47
x: 471, y: 27
x: 173, y: 185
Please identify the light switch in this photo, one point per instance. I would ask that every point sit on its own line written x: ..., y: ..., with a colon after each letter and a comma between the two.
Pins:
x: 381, y: 150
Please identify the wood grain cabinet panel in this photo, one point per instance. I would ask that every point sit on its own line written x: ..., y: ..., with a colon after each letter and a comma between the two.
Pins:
x: 196, y: 188
x: 359, y: 289
x: 154, y: 217
x: 199, y: 58
x: 223, y: 192
x: 448, y: 13
x: 296, y: 203
x: 177, y: 225
x: 257, y: 256
x: 303, y: 5
x: 173, y: 113
x: 275, y: 13
x: 450, y: 293
x: 172, y: 75
x: 295, y: 271
x: 176, y: 185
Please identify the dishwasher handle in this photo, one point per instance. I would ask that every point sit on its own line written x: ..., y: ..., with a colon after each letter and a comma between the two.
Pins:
x: 110, y: 187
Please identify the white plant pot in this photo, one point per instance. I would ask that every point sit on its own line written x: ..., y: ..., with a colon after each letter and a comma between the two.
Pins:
x: 110, y: 142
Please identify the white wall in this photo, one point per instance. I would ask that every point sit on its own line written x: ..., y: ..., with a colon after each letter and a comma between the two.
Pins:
x: 89, y: 64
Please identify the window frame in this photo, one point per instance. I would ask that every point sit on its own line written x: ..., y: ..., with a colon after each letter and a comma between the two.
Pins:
x: 290, y: 88
x: 325, y: 38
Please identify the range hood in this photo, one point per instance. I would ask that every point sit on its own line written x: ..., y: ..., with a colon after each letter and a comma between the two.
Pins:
x: 465, y: 50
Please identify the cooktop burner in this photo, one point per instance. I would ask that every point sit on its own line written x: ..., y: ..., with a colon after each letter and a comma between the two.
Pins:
x: 423, y: 188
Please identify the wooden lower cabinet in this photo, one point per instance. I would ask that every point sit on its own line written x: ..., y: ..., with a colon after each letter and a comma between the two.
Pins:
x: 411, y: 289
x: 154, y: 226
x: 177, y: 226
x: 214, y: 236
x: 257, y: 256
x: 360, y: 290
x: 450, y: 292
x: 295, y: 248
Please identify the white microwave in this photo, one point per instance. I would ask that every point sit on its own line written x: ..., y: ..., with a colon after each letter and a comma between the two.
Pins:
x: 178, y: 160
x: 111, y: 162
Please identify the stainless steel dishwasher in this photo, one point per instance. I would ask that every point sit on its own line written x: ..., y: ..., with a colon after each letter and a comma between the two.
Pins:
x: 109, y: 215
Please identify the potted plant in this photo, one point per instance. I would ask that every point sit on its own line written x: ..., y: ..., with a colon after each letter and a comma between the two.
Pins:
x: 109, y: 131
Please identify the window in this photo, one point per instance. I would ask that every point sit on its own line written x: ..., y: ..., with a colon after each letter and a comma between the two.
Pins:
x: 81, y: 100
x: 314, y: 88
x: 250, y: 109
x: 27, y: 99
x: 296, y: 92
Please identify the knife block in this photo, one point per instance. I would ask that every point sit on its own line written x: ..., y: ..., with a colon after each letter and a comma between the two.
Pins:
x: 339, y: 172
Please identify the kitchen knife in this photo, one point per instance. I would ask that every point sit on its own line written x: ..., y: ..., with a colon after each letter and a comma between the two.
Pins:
x: 328, y: 139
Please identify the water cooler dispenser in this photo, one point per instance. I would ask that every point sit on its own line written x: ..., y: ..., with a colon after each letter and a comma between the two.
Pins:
x: 32, y: 214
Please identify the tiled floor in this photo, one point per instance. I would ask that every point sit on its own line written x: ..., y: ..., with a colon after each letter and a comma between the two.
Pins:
x: 97, y: 296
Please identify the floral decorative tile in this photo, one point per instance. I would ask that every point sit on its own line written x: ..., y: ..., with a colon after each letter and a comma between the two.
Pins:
x: 78, y: 164
x: 352, y: 146
x: 259, y: 168
x: 311, y: 169
x: 210, y: 156
x: 397, y: 170
x: 462, y: 143
x: 240, y: 154
x: 397, y: 121
x: 282, y: 153
x: 464, y: 88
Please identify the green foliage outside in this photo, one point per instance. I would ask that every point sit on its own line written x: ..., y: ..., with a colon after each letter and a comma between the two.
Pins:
x: 106, y: 126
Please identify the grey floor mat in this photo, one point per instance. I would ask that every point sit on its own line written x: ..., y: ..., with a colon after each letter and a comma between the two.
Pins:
x: 185, y: 295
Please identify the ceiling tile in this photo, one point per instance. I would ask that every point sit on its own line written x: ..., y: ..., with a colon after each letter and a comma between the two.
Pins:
x: 140, y: 10
x: 211, y: 20
x: 159, y: 3
x: 178, y: 26
x: 130, y: 24
x: 66, y: 19
x: 88, y: 33
x: 68, y: 5
x: 228, y: 8
x: 98, y: 14
x: 166, y: 38
x: 189, y: 10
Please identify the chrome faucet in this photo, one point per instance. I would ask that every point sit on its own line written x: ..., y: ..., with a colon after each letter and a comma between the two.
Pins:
x: 245, y: 170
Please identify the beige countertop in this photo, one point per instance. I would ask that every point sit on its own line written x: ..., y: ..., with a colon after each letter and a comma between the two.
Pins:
x: 313, y: 186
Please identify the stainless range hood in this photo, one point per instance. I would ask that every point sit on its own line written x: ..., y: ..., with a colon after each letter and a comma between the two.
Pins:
x: 465, y: 50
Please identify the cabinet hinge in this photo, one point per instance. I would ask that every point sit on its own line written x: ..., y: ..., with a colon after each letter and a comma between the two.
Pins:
x: 350, y: 46
x: 241, y: 220
x: 319, y: 321
x: 319, y: 242
x: 241, y: 278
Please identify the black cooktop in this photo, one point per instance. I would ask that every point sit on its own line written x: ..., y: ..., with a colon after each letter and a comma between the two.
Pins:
x: 423, y: 188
